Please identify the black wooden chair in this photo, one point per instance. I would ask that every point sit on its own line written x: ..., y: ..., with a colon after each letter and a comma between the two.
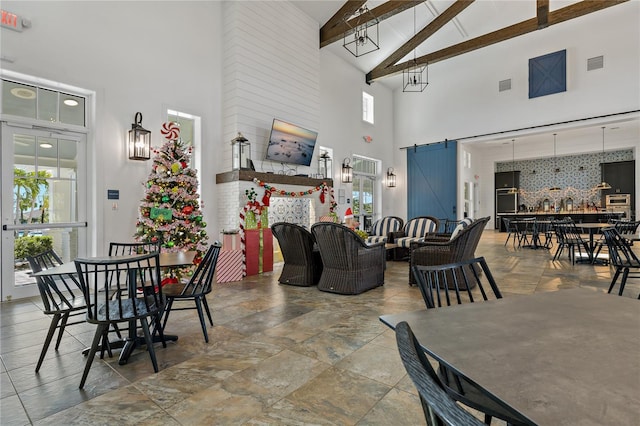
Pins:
x: 467, y: 281
x: 569, y: 237
x: 195, y: 290
x: 302, y: 262
x: 61, y: 297
x: 126, y: 304
x: 621, y: 257
x: 512, y: 231
x: 439, y: 408
x: 122, y: 249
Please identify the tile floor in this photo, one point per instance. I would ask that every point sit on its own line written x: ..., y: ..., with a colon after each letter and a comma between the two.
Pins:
x: 277, y: 355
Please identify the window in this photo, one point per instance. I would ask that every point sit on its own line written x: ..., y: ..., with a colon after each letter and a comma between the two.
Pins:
x: 365, y: 173
x: 51, y: 106
x: 367, y: 107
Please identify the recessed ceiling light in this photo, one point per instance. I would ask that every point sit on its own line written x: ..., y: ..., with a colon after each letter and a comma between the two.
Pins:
x: 46, y: 145
x: 22, y: 93
x: 70, y: 102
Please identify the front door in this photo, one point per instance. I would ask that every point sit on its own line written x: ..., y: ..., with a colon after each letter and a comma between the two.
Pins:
x: 43, y: 201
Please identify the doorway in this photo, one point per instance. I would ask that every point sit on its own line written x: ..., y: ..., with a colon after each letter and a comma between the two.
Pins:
x: 43, y: 201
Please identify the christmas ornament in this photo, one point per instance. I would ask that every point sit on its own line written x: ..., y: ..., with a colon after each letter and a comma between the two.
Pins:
x: 171, y: 130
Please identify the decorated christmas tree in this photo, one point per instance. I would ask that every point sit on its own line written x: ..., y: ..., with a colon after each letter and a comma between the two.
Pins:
x: 170, y: 212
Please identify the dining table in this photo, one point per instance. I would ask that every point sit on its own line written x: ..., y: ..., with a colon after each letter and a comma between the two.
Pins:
x: 567, y: 357
x: 167, y: 260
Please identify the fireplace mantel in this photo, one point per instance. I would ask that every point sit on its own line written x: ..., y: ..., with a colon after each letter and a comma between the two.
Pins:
x: 270, y: 178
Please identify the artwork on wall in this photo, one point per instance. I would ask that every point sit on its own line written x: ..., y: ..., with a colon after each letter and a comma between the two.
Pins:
x: 548, y: 74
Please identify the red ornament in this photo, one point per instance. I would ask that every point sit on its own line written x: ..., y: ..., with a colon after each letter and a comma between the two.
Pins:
x: 187, y: 209
x: 184, y: 164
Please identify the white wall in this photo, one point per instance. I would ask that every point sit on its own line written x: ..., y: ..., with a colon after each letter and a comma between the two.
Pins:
x: 343, y: 129
x: 135, y: 56
x: 462, y: 99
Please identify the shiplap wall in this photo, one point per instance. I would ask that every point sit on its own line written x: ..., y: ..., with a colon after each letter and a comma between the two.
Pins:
x: 271, y: 66
x: 270, y: 69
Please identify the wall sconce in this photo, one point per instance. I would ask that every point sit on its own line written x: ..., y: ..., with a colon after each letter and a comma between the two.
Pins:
x: 347, y: 171
x: 139, y: 140
x: 391, y: 178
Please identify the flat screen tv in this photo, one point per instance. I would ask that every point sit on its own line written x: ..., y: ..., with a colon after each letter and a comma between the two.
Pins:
x: 289, y: 143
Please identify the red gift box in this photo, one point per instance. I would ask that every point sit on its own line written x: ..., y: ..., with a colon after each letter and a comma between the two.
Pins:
x: 258, y: 251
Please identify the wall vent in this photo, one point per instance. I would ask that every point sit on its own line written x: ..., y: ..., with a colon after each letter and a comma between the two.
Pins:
x: 595, y: 63
x: 504, y: 85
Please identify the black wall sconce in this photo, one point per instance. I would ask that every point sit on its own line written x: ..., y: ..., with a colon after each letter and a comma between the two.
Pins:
x: 391, y: 178
x: 347, y: 171
x: 139, y: 140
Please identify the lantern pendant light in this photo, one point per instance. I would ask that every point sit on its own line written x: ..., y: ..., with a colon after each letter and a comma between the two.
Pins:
x: 603, y: 185
x: 555, y: 188
x: 513, y: 189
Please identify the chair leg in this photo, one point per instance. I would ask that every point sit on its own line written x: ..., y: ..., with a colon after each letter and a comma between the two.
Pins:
x: 206, y: 308
x: 625, y: 274
x: 615, y: 278
x: 201, y: 316
x: 167, y: 311
x: 63, y: 324
x: 47, y: 340
x: 147, y: 339
x: 160, y: 329
x: 92, y: 352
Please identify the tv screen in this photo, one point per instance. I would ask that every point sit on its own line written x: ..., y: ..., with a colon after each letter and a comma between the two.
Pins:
x: 289, y: 143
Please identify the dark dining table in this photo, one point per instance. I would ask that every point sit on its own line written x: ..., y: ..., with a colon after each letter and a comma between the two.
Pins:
x: 167, y: 260
x: 569, y: 357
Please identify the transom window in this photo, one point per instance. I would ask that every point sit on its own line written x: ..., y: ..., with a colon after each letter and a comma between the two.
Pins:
x: 367, y: 107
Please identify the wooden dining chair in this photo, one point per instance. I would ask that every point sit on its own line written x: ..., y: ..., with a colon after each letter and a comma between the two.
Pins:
x: 124, y: 303
x: 195, y: 290
x: 439, y: 408
x: 621, y: 257
x: 61, y: 298
x: 468, y: 281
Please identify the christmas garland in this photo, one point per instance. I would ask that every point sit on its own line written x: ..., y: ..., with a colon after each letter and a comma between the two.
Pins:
x: 255, y: 207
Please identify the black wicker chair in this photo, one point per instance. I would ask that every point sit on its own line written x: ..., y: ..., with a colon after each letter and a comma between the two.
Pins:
x: 350, y: 266
x: 460, y: 246
x: 302, y: 262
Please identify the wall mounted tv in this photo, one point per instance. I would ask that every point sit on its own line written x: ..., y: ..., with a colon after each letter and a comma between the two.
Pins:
x: 289, y: 143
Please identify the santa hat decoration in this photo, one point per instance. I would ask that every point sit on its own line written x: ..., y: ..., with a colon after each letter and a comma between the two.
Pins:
x: 348, y: 214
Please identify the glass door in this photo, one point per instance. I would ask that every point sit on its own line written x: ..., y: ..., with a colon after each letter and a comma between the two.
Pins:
x: 43, y: 201
x: 363, y: 202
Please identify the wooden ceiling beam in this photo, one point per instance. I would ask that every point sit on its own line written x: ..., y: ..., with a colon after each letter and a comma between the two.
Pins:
x: 555, y: 17
x: 425, y: 33
x: 335, y: 27
x: 542, y: 11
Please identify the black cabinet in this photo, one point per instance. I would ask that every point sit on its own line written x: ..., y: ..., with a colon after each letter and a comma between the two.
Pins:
x: 507, y: 179
x: 621, y: 175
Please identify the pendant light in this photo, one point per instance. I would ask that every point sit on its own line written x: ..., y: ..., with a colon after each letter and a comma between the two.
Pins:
x: 603, y: 185
x: 555, y: 188
x: 513, y: 190
x: 415, y: 78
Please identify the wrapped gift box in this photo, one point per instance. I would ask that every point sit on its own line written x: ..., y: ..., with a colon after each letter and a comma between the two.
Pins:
x: 229, y: 266
x: 230, y: 241
x: 259, y: 251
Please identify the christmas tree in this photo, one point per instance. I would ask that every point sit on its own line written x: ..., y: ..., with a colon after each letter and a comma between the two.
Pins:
x: 170, y: 212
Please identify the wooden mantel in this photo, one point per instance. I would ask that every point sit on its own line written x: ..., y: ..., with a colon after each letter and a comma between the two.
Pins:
x: 270, y: 178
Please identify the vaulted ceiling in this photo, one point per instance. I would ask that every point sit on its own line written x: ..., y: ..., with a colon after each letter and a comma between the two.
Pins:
x: 437, y: 30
